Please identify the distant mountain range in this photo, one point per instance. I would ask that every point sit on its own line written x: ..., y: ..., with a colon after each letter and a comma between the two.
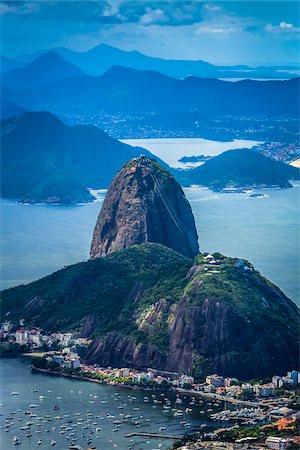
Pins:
x: 9, y: 109
x: 7, y: 64
x: 131, y: 91
x: 240, y: 169
x: 100, y: 58
x: 45, y: 69
x: 44, y: 160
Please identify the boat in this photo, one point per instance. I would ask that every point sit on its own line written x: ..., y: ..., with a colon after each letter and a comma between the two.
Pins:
x: 75, y: 447
x: 14, y: 393
x: 53, y: 442
x: 39, y: 441
x: 16, y: 440
x: 33, y: 405
x: 56, y: 407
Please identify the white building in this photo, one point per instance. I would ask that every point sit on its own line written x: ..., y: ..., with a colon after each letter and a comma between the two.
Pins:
x: 34, y: 338
x: 277, y: 443
x: 7, y: 326
x: 277, y: 381
x: 22, y: 336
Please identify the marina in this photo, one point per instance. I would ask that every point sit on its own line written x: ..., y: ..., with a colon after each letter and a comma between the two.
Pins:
x: 60, y: 412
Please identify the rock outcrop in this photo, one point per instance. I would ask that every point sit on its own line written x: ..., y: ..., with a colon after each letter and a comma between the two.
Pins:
x: 148, y: 306
x: 144, y: 203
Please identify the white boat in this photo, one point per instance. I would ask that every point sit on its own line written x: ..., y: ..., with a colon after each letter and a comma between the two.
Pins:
x: 53, y: 442
x: 16, y: 440
x: 39, y: 441
x: 33, y: 405
x: 14, y: 393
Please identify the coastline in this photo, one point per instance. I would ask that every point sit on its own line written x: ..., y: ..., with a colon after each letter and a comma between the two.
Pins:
x: 207, y: 396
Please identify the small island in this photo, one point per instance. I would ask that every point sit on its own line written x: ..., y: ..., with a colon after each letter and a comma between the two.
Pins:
x: 195, y: 159
x: 239, y: 170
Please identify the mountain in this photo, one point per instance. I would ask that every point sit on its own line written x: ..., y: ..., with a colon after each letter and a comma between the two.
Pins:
x: 10, y: 109
x: 148, y: 306
x: 42, y: 159
x: 144, y: 203
x: 128, y: 91
x: 7, y: 64
x: 239, y: 169
x: 45, y: 69
x: 100, y: 58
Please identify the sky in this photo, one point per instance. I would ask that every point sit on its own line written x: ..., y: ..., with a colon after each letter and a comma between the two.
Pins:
x: 228, y: 32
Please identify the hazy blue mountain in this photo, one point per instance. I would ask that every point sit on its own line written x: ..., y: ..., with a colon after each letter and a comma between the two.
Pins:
x: 9, y: 109
x: 42, y: 159
x: 127, y: 90
x: 100, y: 58
x: 7, y: 64
x: 241, y: 169
x: 43, y: 70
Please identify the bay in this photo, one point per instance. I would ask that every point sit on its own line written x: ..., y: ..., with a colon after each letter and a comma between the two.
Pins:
x: 82, y: 407
x: 39, y: 239
x: 171, y: 150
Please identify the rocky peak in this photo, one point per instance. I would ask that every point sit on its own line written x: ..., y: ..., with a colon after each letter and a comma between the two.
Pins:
x: 144, y: 203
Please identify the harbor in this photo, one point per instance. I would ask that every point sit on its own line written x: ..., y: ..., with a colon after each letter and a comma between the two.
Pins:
x: 39, y: 411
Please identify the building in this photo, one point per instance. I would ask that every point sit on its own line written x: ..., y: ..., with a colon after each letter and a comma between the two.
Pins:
x: 185, y: 379
x: 247, y: 388
x: 277, y: 443
x: 281, y: 412
x: 22, y: 336
x: 230, y: 382
x: 277, y: 381
x: 7, y: 326
x: 75, y: 363
x: 123, y: 373
x: 265, y: 390
x: 34, y: 338
x: 215, y: 380
x: 294, y: 375
x: 287, y: 382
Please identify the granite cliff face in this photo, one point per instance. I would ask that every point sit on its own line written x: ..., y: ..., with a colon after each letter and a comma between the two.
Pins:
x: 144, y: 203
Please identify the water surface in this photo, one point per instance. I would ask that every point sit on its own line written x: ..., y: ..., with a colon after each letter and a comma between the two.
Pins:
x: 84, y: 407
x: 39, y: 239
x: 171, y: 150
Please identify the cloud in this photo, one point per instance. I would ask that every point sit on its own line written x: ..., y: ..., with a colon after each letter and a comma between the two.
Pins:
x: 146, y: 12
x: 20, y: 8
x: 210, y: 7
x: 223, y: 24
x: 153, y: 16
x: 283, y: 27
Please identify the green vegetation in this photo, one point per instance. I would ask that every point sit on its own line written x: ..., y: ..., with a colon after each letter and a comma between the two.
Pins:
x: 256, y: 432
x: 155, y: 299
x: 240, y: 169
x: 42, y: 158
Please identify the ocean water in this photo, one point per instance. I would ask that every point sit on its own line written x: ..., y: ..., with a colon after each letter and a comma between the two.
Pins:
x: 171, y: 150
x: 85, y: 407
x: 39, y: 239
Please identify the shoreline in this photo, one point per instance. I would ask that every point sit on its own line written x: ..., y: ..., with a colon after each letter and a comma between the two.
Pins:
x: 205, y: 395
